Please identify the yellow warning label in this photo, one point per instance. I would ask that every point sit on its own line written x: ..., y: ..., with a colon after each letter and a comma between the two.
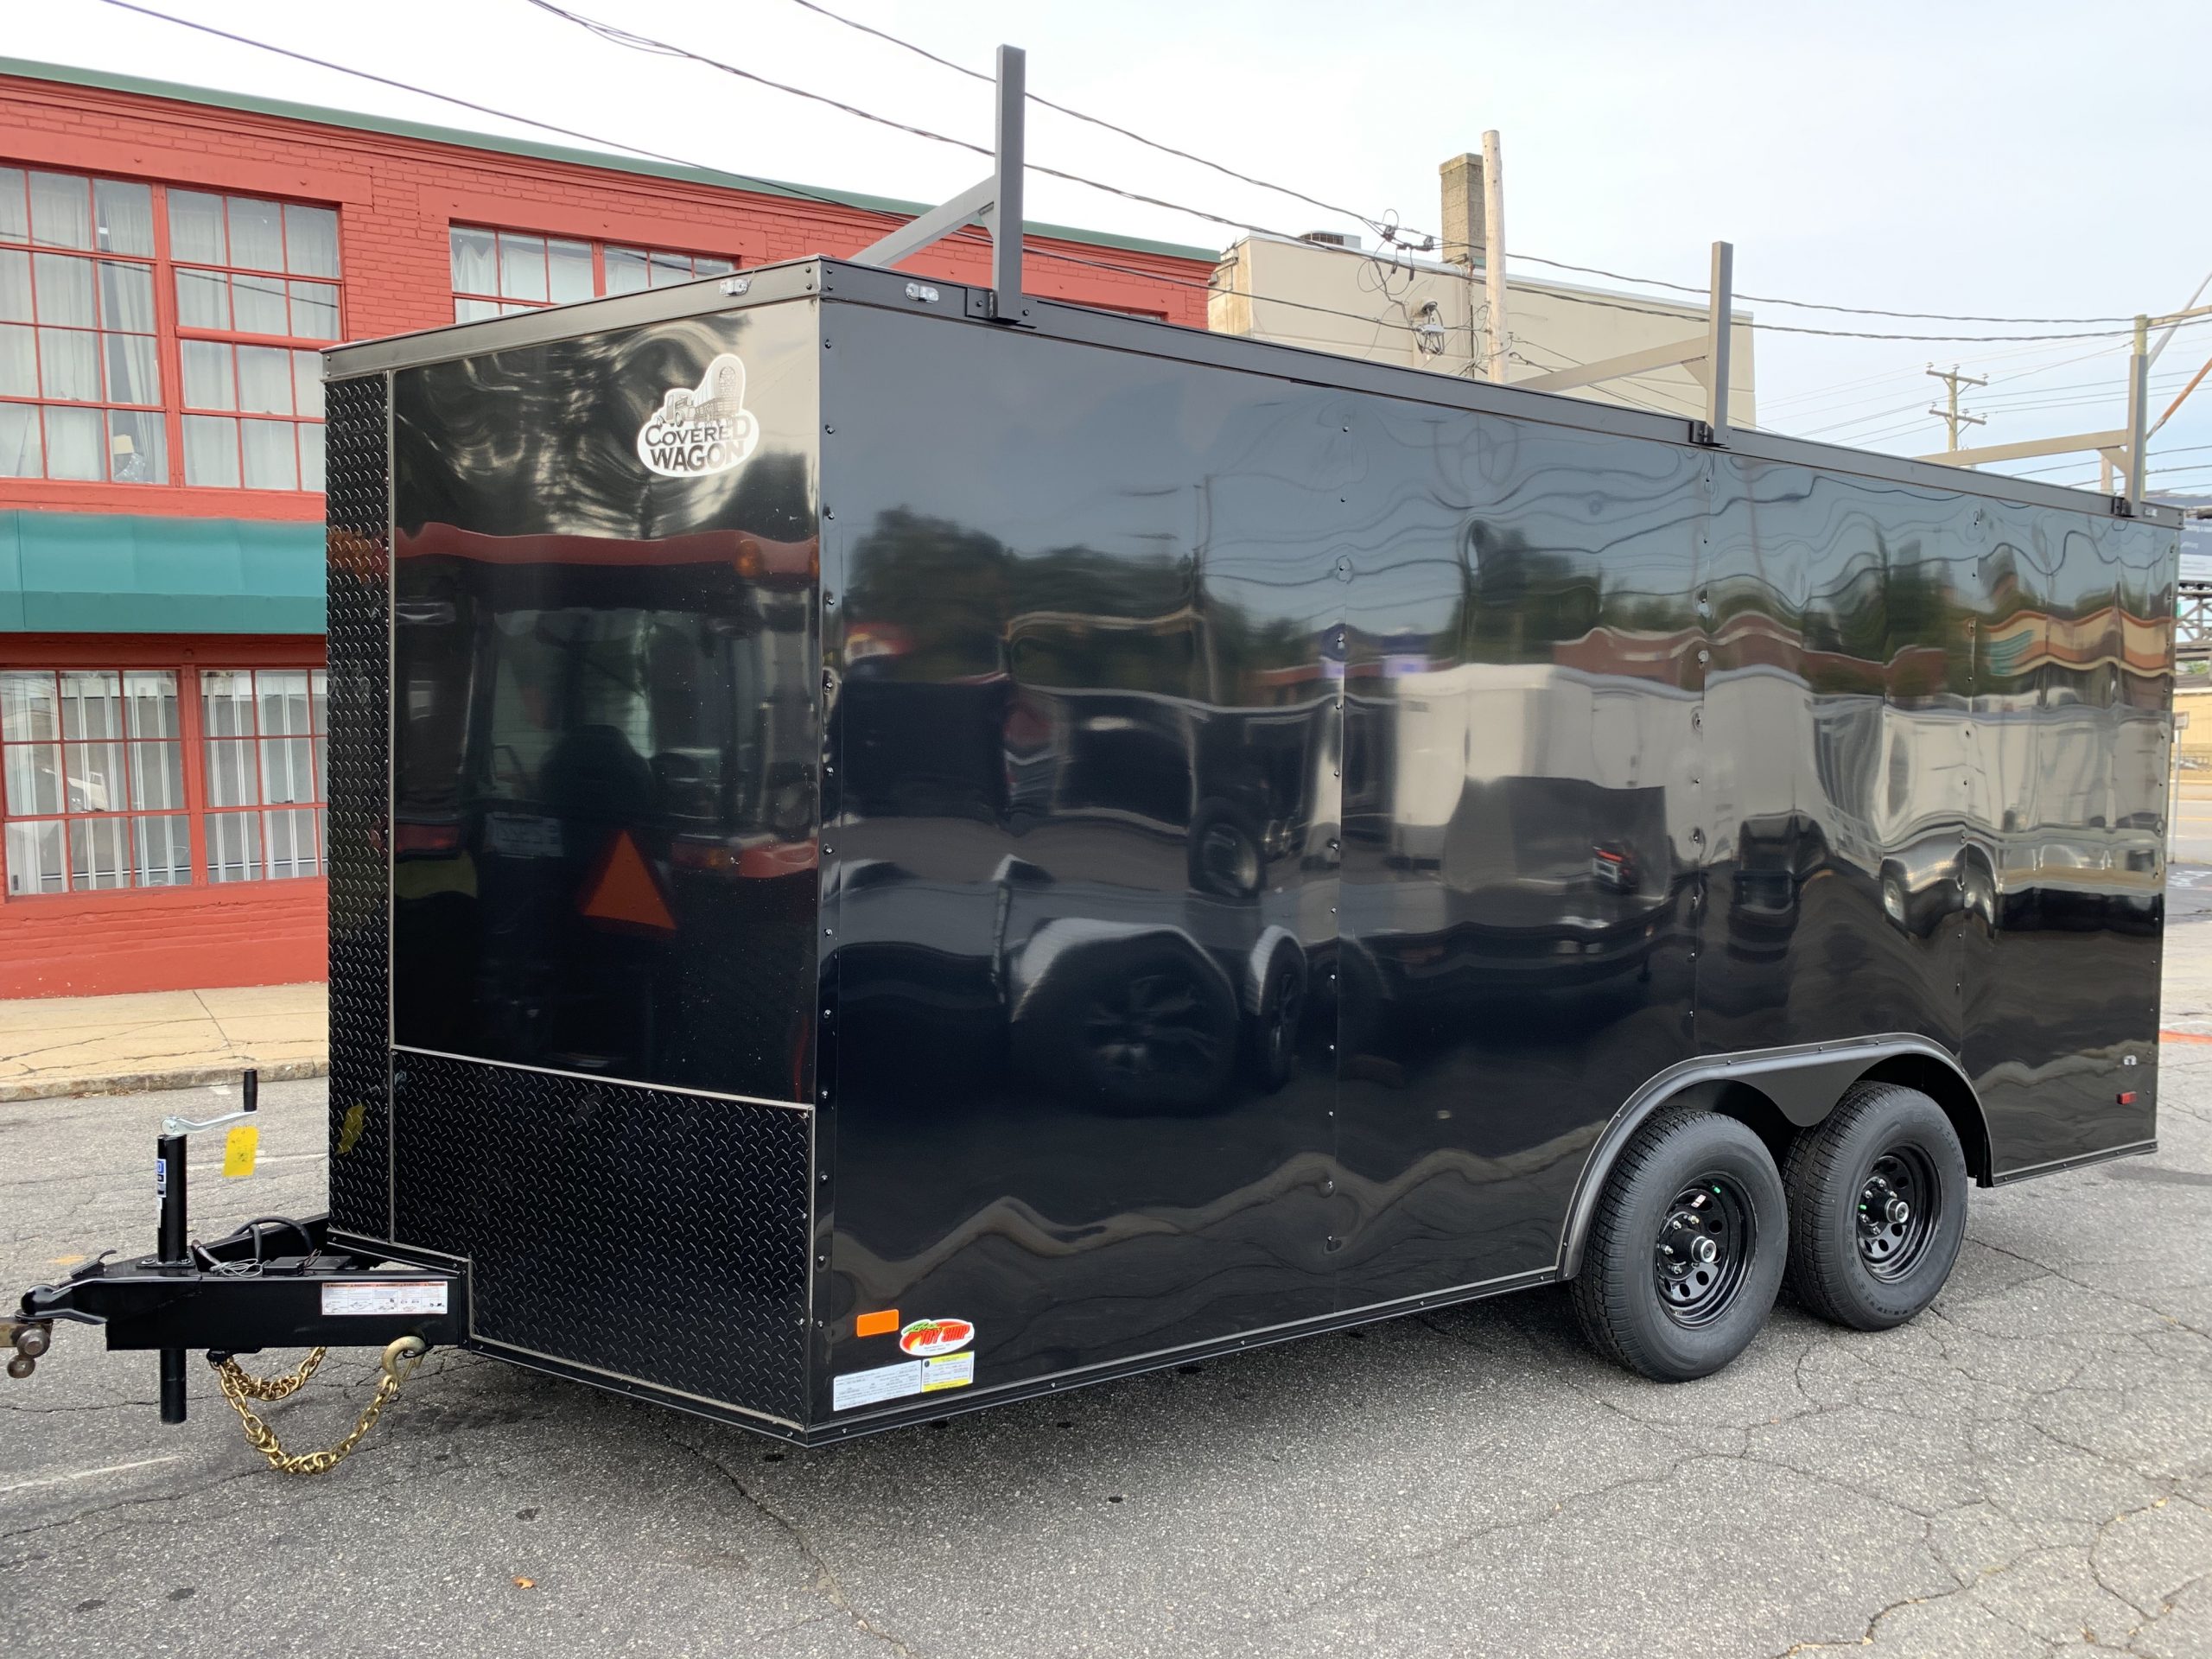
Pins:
x: 239, y: 1148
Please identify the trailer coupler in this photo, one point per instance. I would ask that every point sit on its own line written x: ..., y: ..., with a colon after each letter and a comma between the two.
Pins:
x: 275, y: 1282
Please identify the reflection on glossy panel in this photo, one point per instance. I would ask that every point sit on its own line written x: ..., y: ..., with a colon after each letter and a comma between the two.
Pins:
x: 1082, y: 870
x: 1278, y: 827
x: 606, y: 728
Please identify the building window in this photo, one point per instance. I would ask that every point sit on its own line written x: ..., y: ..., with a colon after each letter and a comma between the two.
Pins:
x: 264, y: 731
x: 497, y: 273
x: 80, y: 384
x: 113, y: 294
x: 256, y: 293
x: 114, y: 778
x: 94, y: 769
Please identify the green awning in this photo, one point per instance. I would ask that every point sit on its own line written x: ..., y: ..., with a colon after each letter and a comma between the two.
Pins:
x: 127, y: 573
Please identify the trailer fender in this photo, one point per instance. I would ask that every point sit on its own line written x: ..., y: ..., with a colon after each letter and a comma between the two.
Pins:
x: 1803, y: 1082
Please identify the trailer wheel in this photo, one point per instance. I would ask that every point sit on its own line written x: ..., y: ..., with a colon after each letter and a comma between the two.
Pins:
x: 1878, y: 1207
x: 1685, y: 1252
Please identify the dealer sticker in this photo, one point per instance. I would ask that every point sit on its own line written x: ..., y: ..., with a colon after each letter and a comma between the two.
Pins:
x: 927, y: 1337
x: 382, y: 1296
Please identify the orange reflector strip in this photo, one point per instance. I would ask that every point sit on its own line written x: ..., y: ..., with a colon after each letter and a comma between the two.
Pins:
x: 880, y: 1323
x: 625, y: 892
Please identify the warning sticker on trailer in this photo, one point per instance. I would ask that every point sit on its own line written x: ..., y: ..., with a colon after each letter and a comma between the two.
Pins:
x: 872, y: 1387
x: 952, y: 1372
x: 395, y: 1296
x: 908, y: 1376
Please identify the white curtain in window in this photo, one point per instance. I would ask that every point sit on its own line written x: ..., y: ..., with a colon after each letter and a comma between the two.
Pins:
x: 61, y: 211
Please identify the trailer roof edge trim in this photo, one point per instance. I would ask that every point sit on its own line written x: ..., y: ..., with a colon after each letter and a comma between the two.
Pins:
x: 848, y: 284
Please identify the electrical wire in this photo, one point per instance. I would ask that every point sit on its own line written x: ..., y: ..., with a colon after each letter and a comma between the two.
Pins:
x: 2068, y: 466
x: 656, y: 47
x: 1826, y: 394
x: 650, y: 45
x: 1389, y: 232
x: 1858, y: 333
x: 772, y: 186
x: 1034, y: 253
x: 1387, y: 229
x: 1811, y: 305
x: 2022, y: 402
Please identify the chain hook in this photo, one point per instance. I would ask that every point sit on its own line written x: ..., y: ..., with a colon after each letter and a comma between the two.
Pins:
x: 401, y: 1355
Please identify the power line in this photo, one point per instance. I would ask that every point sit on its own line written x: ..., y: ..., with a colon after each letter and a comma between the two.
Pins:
x: 2074, y: 395
x: 1814, y: 305
x: 656, y: 47
x: 1856, y: 334
x: 2068, y: 466
x: 1828, y: 394
x: 1390, y: 233
x: 1383, y: 228
x: 646, y: 43
x: 772, y: 186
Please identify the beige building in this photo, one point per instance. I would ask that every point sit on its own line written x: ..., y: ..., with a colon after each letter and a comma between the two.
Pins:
x: 1427, y: 312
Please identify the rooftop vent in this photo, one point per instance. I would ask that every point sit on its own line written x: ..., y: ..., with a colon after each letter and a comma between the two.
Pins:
x: 1331, y: 238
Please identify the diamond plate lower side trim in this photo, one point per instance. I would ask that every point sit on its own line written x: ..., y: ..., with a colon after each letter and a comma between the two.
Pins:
x: 636, y: 1232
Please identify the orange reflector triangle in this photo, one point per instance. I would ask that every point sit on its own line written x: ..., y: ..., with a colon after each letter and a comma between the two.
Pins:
x: 625, y: 891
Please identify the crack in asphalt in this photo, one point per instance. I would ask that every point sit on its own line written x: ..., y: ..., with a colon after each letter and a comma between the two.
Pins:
x: 829, y: 1585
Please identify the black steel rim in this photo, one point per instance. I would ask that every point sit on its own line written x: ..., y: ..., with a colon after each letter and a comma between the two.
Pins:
x: 1900, y: 1204
x: 1703, y: 1250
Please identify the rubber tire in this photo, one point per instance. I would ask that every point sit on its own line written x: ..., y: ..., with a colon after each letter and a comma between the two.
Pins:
x: 1615, y: 1298
x: 1826, y: 1169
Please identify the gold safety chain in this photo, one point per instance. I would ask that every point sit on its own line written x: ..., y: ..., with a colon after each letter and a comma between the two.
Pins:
x: 401, y: 1357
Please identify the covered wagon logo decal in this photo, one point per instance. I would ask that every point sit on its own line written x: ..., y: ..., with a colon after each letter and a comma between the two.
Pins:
x: 927, y: 1336
x: 703, y: 429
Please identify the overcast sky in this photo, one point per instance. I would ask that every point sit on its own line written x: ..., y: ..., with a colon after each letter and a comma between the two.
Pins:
x: 2024, y: 159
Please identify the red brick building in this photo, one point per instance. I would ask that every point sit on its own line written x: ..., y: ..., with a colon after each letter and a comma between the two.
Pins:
x: 171, y: 262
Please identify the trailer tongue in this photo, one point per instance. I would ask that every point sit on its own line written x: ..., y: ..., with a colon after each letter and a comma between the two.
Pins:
x: 275, y: 1282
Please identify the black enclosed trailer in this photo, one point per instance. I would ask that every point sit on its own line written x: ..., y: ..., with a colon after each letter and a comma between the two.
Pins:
x: 885, y: 859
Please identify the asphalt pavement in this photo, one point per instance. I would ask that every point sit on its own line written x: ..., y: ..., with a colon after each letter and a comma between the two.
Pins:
x: 2027, y: 1469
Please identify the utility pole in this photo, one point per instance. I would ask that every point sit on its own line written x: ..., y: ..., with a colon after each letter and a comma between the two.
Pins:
x: 1494, y: 251
x: 1950, y: 416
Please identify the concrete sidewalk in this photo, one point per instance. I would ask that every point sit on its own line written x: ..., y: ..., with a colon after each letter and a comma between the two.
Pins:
x: 163, y: 1039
